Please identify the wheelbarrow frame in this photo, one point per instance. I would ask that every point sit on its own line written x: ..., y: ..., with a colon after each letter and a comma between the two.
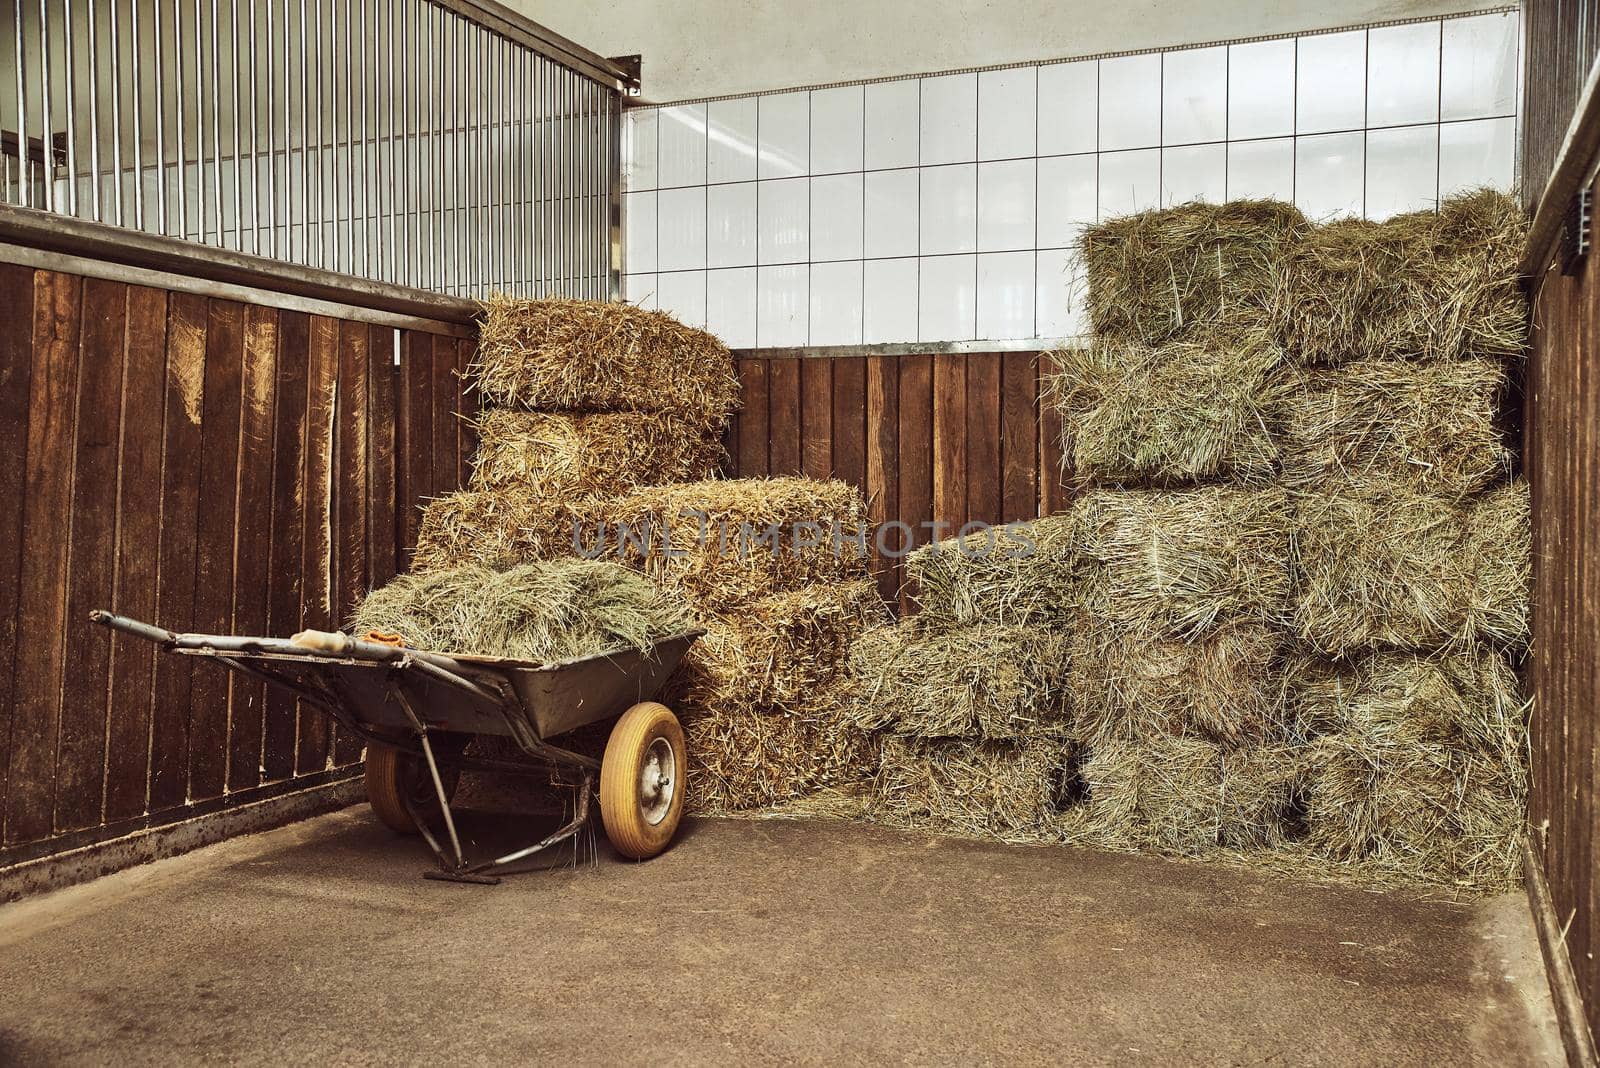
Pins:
x: 394, y: 696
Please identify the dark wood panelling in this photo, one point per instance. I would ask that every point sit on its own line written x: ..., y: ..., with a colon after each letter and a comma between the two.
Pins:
x: 984, y: 484
x: 915, y: 447
x: 1562, y: 460
x: 1019, y: 437
x: 783, y: 417
x: 205, y: 465
x: 816, y: 418
x: 949, y: 443
x: 883, y: 470
x: 849, y: 419
x: 749, y: 455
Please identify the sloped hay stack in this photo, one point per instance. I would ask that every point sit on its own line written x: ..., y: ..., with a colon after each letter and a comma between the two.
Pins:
x: 1432, y: 427
x: 723, y: 543
x: 1181, y: 411
x: 979, y: 681
x: 1180, y: 562
x: 542, y: 612
x: 1159, y: 274
x: 590, y: 454
x: 574, y: 355
x: 1004, y: 788
x: 1018, y: 575
x: 1421, y: 286
x: 1380, y: 566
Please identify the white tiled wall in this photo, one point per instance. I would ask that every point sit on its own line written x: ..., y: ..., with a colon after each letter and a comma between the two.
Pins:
x: 946, y: 208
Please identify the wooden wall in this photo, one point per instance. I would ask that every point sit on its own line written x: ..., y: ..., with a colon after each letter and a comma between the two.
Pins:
x: 207, y: 465
x: 1563, y: 464
x: 948, y: 438
x: 1560, y: 42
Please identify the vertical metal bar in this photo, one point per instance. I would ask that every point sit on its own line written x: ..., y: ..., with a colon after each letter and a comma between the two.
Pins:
x: 305, y: 143
x: 238, y: 155
x: 272, y: 139
x: 116, y: 111
x: 255, y: 130
x: 26, y: 199
x: 71, y: 108
x: 216, y: 126
x: 436, y: 155
x: 200, y: 115
x: 614, y: 247
x: 366, y: 149
x: 322, y: 156
x: 458, y: 198
x: 349, y: 134
x: 502, y: 194
x: 480, y: 229
x: 386, y: 103
x: 182, y: 124
x: 94, y: 113
x: 407, y: 180
x: 161, y: 121
x: 331, y: 101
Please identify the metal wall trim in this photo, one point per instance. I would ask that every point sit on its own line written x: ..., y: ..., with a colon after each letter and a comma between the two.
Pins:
x: 911, y: 348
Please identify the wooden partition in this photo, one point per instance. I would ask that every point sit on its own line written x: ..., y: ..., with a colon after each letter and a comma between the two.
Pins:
x: 941, y: 439
x: 210, y: 465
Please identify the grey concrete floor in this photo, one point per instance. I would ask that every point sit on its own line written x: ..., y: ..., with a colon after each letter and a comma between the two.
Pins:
x: 755, y: 942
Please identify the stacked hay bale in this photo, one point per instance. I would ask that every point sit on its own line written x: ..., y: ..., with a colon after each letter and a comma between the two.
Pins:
x: 601, y: 429
x: 1301, y: 563
x: 970, y: 695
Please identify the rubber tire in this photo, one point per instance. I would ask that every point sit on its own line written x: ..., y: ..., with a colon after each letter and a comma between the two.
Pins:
x: 391, y: 774
x: 620, y: 808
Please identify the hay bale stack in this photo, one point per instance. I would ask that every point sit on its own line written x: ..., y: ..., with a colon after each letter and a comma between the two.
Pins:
x: 1380, y: 566
x: 1432, y: 427
x: 544, y: 612
x: 497, y: 528
x: 579, y: 355
x: 1182, y: 562
x: 1017, y: 575
x: 722, y: 544
x: 1224, y: 687
x: 1187, y: 269
x: 1424, y: 286
x: 589, y: 454
x: 1004, y: 788
x: 1179, y: 412
x: 984, y: 680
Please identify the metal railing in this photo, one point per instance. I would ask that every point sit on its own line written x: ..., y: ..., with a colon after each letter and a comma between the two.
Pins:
x: 1561, y: 40
x: 443, y: 144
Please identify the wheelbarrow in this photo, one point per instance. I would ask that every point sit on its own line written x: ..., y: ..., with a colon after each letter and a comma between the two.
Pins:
x: 417, y: 711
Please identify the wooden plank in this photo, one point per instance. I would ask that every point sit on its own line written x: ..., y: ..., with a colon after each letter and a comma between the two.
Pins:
x: 213, y: 593
x: 1054, y: 491
x: 983, y: 475
x: 816, y: 418
x: 446, y: 423
x: 850, y: 420
x: 316, y: 591
x: 85, y: 698
x: 41, y: 594
x: 1019, y: 438
x: 16, y: 373
x: 288, y: 530
x: 382, y: 555
x: 468, y: 406
x: 253, y: 538
x: 415, y: 443
x: 916, y: 454
x: 133, y: 660
x: 750, y: 455
x: 352, y: 573
x: 883, y: 471
x: 949, y: 443
x: 783, y: 416
x: 180, y: 505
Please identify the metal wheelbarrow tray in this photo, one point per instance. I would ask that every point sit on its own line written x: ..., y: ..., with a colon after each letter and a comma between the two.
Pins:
x: 421, y: 706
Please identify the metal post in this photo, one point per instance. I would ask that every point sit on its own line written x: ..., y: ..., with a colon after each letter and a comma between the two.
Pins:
x: 200, y: 115
x: 116, y: 106
x: 272, y: 142
x: 305, y: 144
x: 386, y: 102
x: 238, y: 154
x: 255, y: 132
x: 349, y: 134
x: 161, y: 122
x: 94, y: 113
x: 360, y: 80
x: 26, y: 185
x: 72, y: 107
x: 322, y: 153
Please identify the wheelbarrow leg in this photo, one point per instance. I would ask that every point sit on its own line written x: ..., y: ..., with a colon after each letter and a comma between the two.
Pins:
x: 456, y: 872
x: 580, y: 817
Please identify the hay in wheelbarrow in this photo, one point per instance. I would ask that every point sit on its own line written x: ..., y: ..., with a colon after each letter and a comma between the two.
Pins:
x: 981, y: 680
x: 1434, y: 427
x: 592, y: 454
x: 556, y: 354
x: 1379, y: 565
x: 1005, y: 789
x: 1178, y: 412
x: 1018, y: 575
x: 497, y: 528
x: 1421, y: 286
x: 776, y: 652
x: 1184, y: 796
x: 1189, y: 269
x: 743, y: 762
x: 1182, y: 562
x: 543, y: 612
x: 722, y: 543
x: 1224, y: 687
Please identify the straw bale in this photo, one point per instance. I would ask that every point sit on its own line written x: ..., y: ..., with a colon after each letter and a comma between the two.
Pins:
x: 1019, y: 575
x: 594, y: 454
x: 498, y: 528
x: 982, y: 788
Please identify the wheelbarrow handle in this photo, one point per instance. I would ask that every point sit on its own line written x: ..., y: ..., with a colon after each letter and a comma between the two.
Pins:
x: 161, y: 636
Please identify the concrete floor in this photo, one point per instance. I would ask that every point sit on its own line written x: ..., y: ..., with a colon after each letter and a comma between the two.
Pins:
x: 755, y: 942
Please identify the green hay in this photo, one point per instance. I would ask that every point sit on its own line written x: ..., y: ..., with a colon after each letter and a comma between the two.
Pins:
x: 979, y: 788
x: 1179, y: 412
x: 583, y: 355
x: 1187, y: 270
x: 1180, y: 563
x: 598, y: 454
x: 1019, y: 575
x: 1422, y: 286
x: 1379, y: 566
x: 541, y: 612
x: 982, y: 680
x: 1434, y: 427
x: 1225, y: 687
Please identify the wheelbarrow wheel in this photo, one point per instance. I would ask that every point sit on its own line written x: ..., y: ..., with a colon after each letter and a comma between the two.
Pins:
x: 642, y: 779
x: 394, y: 775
